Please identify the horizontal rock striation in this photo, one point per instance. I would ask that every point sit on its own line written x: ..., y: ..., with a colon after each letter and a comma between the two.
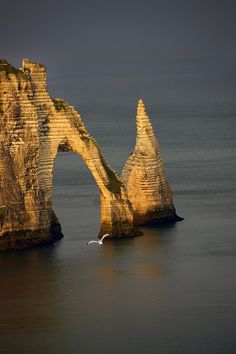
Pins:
x: 144, y: 176
x: 33, y: 127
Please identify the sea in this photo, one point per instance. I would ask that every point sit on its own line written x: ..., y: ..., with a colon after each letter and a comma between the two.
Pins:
x: 171, y: 291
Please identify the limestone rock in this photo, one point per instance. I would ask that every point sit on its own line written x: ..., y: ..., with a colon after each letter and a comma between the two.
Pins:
x: 33, y: 127
x: 144, y: 176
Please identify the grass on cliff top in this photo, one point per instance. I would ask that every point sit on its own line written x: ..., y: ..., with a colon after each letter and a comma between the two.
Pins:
x: 5, y: 66
x: 10, y: 69
x: 59, y: 104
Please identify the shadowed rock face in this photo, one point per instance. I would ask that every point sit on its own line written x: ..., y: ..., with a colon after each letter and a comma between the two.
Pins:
x: 33, y: 127
x: 144, y: 176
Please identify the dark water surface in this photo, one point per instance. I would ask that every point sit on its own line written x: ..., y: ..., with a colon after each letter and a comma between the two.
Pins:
x: 172, y: 290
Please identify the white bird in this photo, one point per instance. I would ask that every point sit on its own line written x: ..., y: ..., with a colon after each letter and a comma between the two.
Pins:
x: 99, y: 242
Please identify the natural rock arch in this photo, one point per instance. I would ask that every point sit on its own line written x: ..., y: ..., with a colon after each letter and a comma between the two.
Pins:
x: 33, y: 127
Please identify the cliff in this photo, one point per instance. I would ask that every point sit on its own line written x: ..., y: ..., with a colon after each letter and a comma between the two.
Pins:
x: 33, y: 127
x: 144, y: 176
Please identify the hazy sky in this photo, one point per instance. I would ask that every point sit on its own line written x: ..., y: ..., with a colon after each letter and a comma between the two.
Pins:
x: 104, y: 48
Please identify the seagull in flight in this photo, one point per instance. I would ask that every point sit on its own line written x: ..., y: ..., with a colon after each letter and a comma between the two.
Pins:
x: 99, y: 242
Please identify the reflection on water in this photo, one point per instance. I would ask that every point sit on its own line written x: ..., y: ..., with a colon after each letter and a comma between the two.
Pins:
x: 144, y: 262
x: 135, y: 294
x: 170, y: 291
x: 28, y: 291
x: 150, y: 270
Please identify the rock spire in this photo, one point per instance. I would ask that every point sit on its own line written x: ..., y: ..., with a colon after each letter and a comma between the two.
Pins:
x: 33, y: 128
x: 144, y: 176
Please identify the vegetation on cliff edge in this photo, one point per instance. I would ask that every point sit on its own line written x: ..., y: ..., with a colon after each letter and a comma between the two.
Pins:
x: 9, y: 69
x: 59, y: 104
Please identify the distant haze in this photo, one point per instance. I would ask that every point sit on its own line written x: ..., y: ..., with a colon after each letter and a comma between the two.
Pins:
x: 98, y: 50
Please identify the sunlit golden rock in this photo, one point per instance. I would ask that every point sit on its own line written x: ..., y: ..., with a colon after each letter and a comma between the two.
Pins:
x: 144, y: 176
x: 33, y: 127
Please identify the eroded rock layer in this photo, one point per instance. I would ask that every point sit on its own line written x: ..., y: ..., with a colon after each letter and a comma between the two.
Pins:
x: 144, y: 176
x: 33, y: 127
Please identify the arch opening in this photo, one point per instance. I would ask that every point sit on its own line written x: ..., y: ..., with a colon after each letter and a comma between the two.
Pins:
x: 75, y: 197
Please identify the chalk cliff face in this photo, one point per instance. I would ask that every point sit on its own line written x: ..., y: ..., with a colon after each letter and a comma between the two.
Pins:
x: 144, y: 176
x: 33, y: 127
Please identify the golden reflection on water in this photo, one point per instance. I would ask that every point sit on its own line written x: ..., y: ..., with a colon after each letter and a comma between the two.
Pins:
x: 109, y: 272
x: 42, y: 278
x: 145, y: 263
x: 33, y: 279
x: 143, y: 271
x: 151, y: 270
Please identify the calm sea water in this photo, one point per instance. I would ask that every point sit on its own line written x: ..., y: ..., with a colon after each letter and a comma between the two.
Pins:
x: 172, y: 290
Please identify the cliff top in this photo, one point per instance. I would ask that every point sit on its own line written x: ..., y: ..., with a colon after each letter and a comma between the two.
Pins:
x: 5, y: 66
x: 26, y: 65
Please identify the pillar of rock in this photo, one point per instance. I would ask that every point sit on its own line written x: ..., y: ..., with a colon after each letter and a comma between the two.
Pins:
x: 33, y: 127
x: 144, y: 176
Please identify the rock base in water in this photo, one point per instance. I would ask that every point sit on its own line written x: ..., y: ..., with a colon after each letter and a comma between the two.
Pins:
x: 33, y: 128
x: 19, y: 240
x: 112, y: 235
x: 165, y: 216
